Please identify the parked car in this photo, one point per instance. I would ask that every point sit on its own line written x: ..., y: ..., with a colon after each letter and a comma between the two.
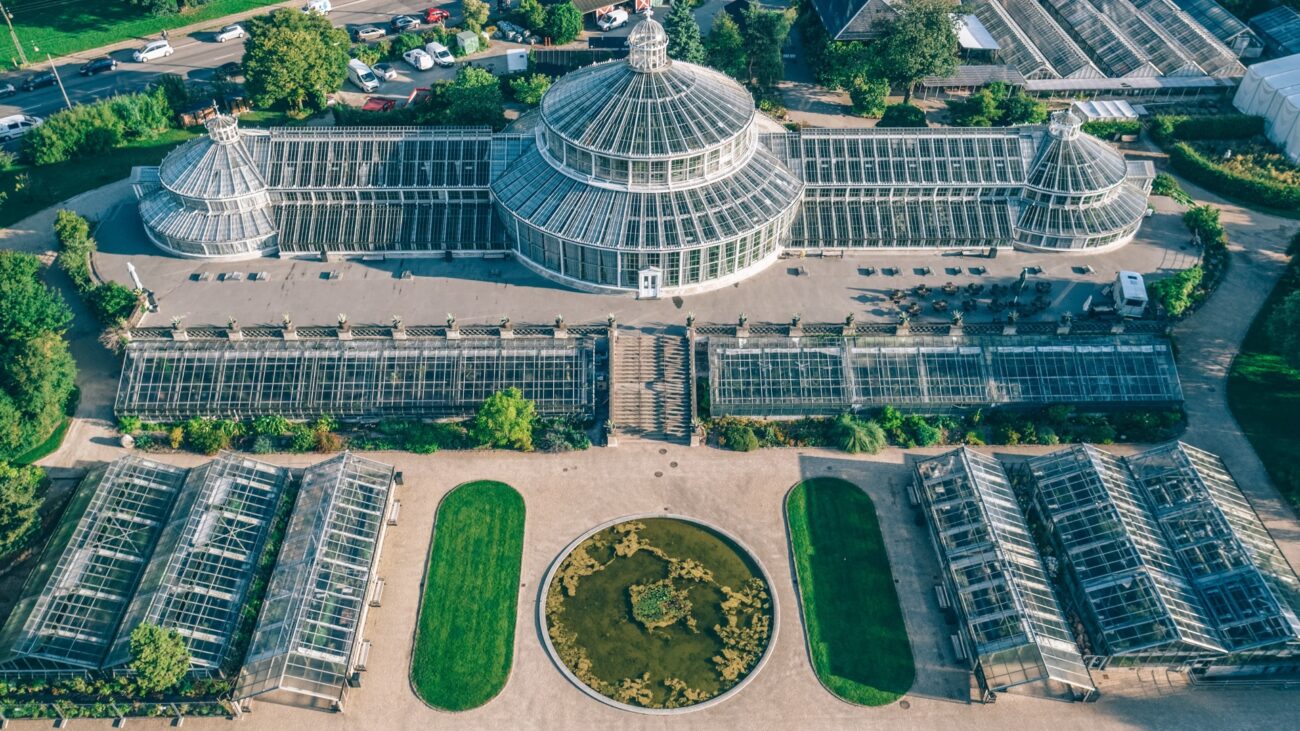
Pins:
x: 368, y: 33
x: 16, y: 125
x: 384, y: 71
x: 436, y: 15
x: 98, y: 66
x: 318, y: 6
x: 228, y: 70
x: 152, y: 50
x: 230, y: 33
x: 7, y: 90
x: 418, y: 59
x: 403, y: 23
x: 38, y: 81
x: 440, y: 54
x: 616, y: 18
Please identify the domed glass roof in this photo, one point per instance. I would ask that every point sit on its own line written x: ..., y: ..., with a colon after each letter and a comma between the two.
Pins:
x: 1074, y: 163
x: 648, y: 105
x: 212, y: 167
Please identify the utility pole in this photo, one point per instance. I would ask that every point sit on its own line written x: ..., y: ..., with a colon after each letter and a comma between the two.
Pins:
x: 22, y: 56
x: 57, y: 78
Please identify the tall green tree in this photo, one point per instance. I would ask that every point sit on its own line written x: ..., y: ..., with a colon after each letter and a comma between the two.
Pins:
x: 20, y: 504
x: 920, y: 41
x: 296, y: 59
x: 765, y: 34
x: 474, y: 98
x: 159, y: 657
x: 505, y: 419
x: 476, y: 14
x: 28, y: 308
x: 563, y: 23
x: 530, y: 14
x: 868, y: 96
x: 902, y: 115
x: 684, y: 42
x: 725, y: 47
x: 529, y: 89
x: 157, y: 7
x: 843, y: 63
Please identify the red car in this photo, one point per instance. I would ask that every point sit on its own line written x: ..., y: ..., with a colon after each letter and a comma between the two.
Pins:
x: 436, y: 15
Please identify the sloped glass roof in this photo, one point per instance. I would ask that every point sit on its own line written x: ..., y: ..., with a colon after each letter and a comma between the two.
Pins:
x: 1075, y: 163
x: 215, y: 166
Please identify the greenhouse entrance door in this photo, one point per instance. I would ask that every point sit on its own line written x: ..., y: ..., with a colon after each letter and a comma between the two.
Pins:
x: 650, y: 280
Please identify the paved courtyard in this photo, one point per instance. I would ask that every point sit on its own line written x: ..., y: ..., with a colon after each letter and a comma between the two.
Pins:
x: 485, y: 290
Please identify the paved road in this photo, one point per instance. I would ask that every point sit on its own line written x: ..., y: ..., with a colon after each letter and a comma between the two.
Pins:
x: 195, y: 58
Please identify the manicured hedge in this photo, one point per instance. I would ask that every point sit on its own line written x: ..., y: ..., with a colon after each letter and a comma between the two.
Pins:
x: 111, y: 302
x: 1112, y: 128
x: 1189, y: 163
x: 1174, y: 127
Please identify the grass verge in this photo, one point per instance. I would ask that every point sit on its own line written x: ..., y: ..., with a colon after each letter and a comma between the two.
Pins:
x: 1264, y: 394
x: 856, y: 635
x: 32, y: 189
x: 71, y: 27
x: 464, y: 641
x: 47, y: 447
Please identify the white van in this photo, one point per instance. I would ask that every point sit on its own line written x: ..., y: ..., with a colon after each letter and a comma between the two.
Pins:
x: 318, y: 6
x: 16, y: 125
x: 441, y: 55
x: 362, y: 76
x: 616, y: 18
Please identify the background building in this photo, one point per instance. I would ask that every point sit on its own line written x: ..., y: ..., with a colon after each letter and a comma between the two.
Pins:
x: 1272, y: 90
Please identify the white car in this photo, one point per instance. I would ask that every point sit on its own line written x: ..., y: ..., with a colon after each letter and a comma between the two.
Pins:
x: 420, y: 60
x: 152, y: 50
x: 230, y: 33
x: 16, y: 125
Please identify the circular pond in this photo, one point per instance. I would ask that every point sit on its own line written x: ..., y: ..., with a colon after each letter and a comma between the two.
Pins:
x: 658, y: 614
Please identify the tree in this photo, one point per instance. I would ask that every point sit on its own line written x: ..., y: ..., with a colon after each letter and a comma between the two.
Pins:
x: 531, y: 14
x: 505, y: 419
x: 529, y: 89
x: 159, y: 657
x: 684, y: 41
x: 474, y: 98
x: 563, y: 23
x: 902, y: 115
x: 112, y: 303
x: 765, y: 35
x: 920, y: 41
x: 725, y: 47
x: 27, y: 307
x: 977, y: 110
x: 20, y: 504
x: 294, y: 58
x: 868, y: 97
x: 1020, y: 108
x: 842, y: 63
x: 476, y: 14
x: 157, y: 7
x: 1284, y: 329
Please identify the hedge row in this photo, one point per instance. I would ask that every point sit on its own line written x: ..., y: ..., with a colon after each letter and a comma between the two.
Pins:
x: 1189, y: 163
x: 1179, y: 127
x: 111, y: 302
x: 1109, y: 129
x: 1183, y: 292
x: 90, y: 129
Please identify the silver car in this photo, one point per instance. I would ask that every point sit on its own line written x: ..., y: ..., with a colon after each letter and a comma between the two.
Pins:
x: 230, y: 33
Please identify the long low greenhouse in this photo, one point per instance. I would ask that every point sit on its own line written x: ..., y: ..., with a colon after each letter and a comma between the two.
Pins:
x: 357, y: 379
x: 1167, y: 562
x: 308, y: 643
x: 782, y: 376
x: 1013, y: 631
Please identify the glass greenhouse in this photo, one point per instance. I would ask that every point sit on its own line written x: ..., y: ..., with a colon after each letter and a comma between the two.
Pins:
x: 308, y: 638
x: 774, y: 376
x: 1166, y: 560
x: 640, y: 174
x: 1014, y: 631
x: 365, y: 378
x: 73, y: 602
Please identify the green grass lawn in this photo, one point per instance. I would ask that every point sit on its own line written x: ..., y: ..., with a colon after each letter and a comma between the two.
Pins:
x: 465, y: 638
x: 47, y: 185
x: 1264, y: 395
x: 47, y: 447
x: 69, y: 27
x: 856, y: 634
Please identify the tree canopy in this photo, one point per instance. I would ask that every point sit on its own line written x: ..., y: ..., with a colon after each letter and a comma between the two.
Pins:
x: 20, y: 503
x: 476, y: 14
x: 765, y: 34
x: 296, y: 59
x: 531, y: 14
x: 868, y: 96
x: 505, y: 419
x: 474, y: 98
x: 1284, y: 329
x: 725, y: 48
x: 684, y: 42
x: 159, y: 657
x: 920, y: 41
x: 998, y: 105
x: 902, y: 115
x: 529, y: 89
x: 563, y: 23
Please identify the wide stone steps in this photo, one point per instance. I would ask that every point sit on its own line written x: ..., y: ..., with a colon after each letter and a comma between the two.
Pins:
x: 651, y: 396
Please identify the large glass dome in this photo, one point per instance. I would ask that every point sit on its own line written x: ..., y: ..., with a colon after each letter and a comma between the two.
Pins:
x: 647, y: 167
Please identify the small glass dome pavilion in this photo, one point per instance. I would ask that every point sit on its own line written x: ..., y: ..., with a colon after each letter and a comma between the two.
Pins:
x: 648, y: 175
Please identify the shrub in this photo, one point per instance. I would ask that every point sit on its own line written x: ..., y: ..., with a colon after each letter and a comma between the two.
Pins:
x: 368, y: 54
x: 209, y: 436
x: 1264, y: 192
x: 301, y: 438
x: 855, y: 437
x: 868, y: 97
x: 176, y: 437
x: 529, y: 89
x: 270, y: 425
x: 129, y: 424
x: 20, y: 503
x: 90, y: 129
x: 562, y: 434
x: 1171, y: 127
x: 263, y: 444
x: 902, y: 115
x: 1175, y: 293
x: 112, y: 303
x: 737, y: 437
x: 921, y: 432
x: 505, y: 419
x: 1109, y: 129
x: 327, y: 441
x: 159, y: 657
x: 1166, y: 184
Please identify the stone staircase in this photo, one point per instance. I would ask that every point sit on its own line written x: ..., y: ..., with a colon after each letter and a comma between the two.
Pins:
x: 651, y: 391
